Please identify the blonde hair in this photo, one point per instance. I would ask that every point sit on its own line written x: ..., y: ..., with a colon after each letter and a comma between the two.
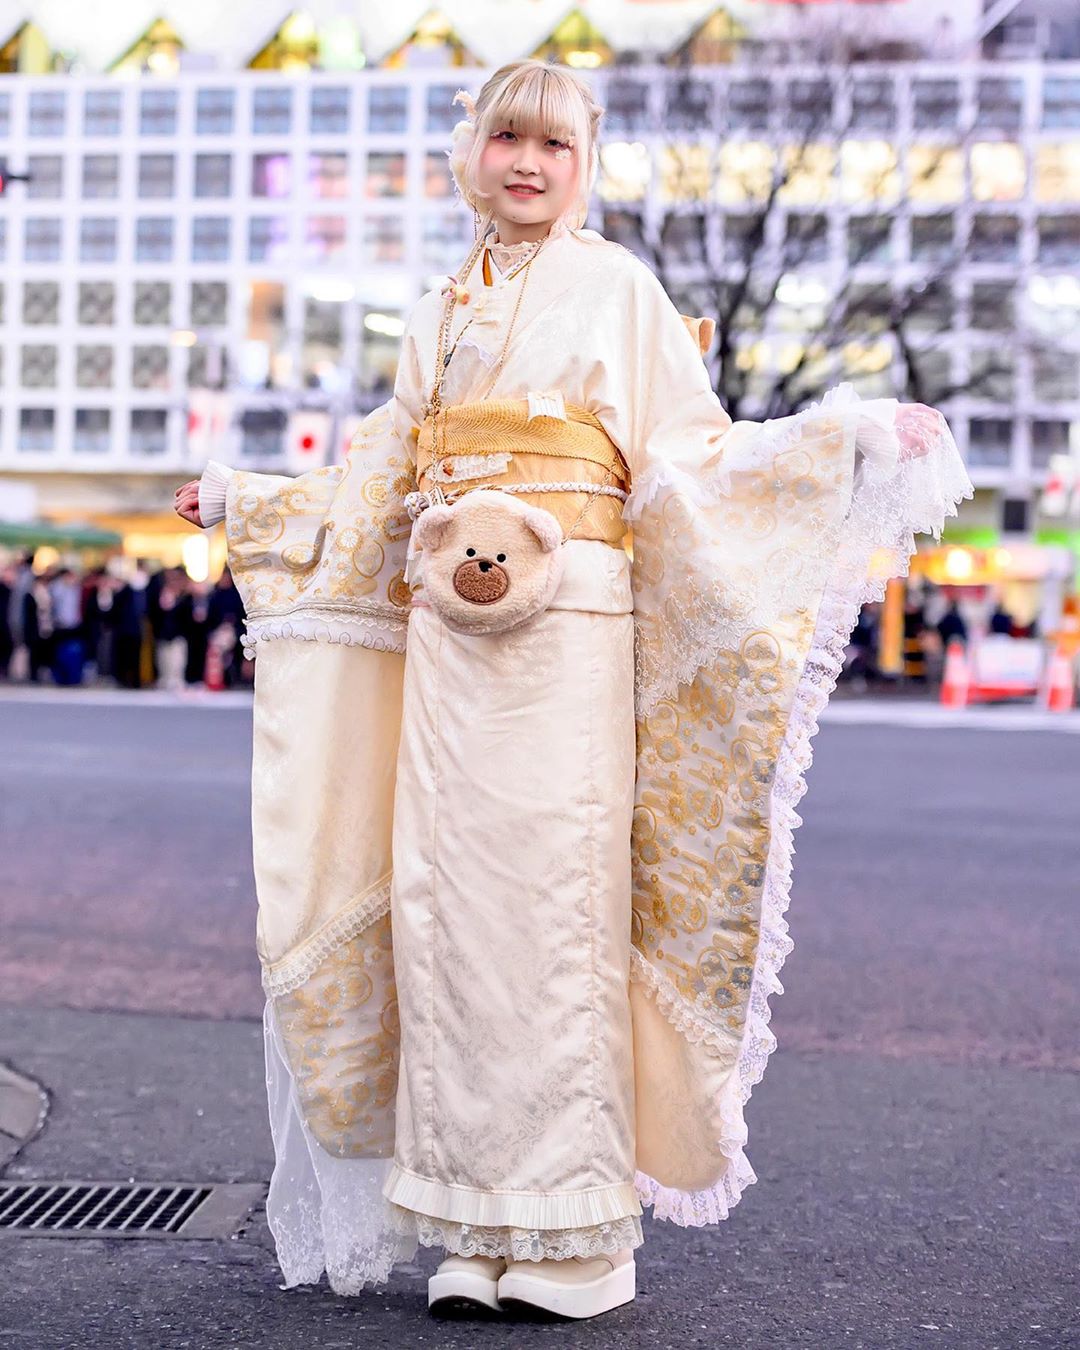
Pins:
x: 533, y: 98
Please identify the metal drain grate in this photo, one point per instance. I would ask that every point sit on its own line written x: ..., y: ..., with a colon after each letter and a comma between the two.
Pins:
x: 125, y: 1209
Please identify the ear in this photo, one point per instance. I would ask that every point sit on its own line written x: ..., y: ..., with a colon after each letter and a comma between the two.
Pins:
x: 430, y: 530
x: 546, y: 528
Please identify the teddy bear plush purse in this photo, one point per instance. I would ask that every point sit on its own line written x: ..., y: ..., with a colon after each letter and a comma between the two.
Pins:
x: 490, y: 563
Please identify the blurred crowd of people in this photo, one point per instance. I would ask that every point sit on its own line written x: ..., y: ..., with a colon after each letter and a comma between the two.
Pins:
x: 145, y: 629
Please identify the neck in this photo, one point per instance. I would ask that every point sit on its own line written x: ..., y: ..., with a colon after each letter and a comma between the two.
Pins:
x: 510, y: 232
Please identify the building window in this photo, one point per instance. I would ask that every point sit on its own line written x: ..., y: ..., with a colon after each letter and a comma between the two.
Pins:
x: 150, y: 366
x: 741, y: 239
x: 682, y: 239
x: 1061, y: 104
x: 688, y: 104
x: 438, y: 180
x: 152, y: 303
x: 749, y: 105
x: 272, y: 111
x: 330, y: 111
x: 388, y: 108
x: 42, y: 239
x: 101, y: 112
x: 328, y: 175
x: 149, y: 435
x: 445, y: 241
x: 869, y: 240
x: 157, y: 175
x: 627, y: 106
x: 625, y: 171
x: 993, y: 307
x: 930, y: 309
x: 37, y: 429
x: 214, y: 112
x: 385, y: 174
x: 46, y: 113
x: 92, y: 430
x: 685, y: 172
x: 41, y: 303
x: 268, y: 238
x: 994, y: 239
x: 991, y: 375
x: 935, y: 103
x: 932, y: 367
x: 1048, y: 439
x: 97, y: 302
x: 3, y: 240
x: 157, y: 112
x: 324, y: 238
x: 271, y: 175
x: 93, y: 366
x: 213, y: 175
x: 1001, y: 104
x: 97, y: 239
x: 154, y: 239
x: 873, y: 105
x: 806, y: 240
x: 210, y: 239
x: 5, y: 115
x: 935, y: 174
x: 1055, y: 375
x: 321, y: 353
x: 998, y: 172
x: 810, y: 106
x: 209, y: 304
x: 101, y: 176
x: 38, y: 365
x: 443, y: 113
x: 990, y: 441
x: 932, y: 238
x: 384, y: 239
x: 46, y: 176
x: 1059, y: 240
x: 869, y: 171
x: 1057, y: 172
x: 262, y: 433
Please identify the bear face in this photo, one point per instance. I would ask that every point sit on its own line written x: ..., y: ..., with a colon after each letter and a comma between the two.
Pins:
x: 490, y: 562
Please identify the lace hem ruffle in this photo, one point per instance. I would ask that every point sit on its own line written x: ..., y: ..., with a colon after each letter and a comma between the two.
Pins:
x: 308, y: 624
x: 519, y: 1244
x: 301, y: 964
x: 891, y: 502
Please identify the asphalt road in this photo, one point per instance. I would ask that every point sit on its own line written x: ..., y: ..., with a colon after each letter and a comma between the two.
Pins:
x: 915, y: 1138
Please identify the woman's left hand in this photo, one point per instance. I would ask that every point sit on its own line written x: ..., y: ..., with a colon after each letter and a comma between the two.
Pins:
x: 917, y: 429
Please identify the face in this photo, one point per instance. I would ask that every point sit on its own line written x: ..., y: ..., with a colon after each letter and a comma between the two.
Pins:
x: 530, y: 181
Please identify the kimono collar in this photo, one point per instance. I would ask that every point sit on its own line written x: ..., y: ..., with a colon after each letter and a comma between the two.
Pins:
x: 506, y: 256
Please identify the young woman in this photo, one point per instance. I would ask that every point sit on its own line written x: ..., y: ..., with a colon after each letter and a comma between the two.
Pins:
x: 521, y: 887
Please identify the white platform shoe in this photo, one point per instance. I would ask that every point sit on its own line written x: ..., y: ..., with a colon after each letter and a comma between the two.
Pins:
x: 583, y: 1286
x: 466, y: 1280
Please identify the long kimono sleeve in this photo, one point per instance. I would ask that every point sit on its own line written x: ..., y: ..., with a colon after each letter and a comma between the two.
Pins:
x: 754, y: 546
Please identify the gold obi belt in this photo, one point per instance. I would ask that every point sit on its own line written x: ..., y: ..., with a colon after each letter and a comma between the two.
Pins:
x: 495, y: 443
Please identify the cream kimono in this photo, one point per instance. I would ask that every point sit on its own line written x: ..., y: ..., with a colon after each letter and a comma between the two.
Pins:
x: 521, y: 896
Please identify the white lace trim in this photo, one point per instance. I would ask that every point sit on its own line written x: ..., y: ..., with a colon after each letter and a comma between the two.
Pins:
x: 876, y: 544
x: 299, y: 965
x: 378, y: 633
x: 520, y: 1244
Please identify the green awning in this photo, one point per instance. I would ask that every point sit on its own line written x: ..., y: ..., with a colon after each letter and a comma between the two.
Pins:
x: 31, y: 534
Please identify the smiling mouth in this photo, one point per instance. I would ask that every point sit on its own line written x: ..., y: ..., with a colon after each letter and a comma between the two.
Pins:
x: 524, y: 191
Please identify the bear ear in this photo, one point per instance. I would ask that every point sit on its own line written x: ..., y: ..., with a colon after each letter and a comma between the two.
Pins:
x: 546, y: 528
x: 430, y: 530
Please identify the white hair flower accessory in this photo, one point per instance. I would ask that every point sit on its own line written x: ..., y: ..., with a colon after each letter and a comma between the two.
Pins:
x: 461, y: 139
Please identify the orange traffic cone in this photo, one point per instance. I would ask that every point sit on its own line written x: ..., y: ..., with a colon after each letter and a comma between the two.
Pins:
x: 956, y: 679
x: 1059, y: 690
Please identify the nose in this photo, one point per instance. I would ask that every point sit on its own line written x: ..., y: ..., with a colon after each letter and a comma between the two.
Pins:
x: 526, y: 161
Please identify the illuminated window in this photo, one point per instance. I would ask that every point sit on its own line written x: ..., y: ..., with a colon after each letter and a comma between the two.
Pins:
x: 624, y: 171
x: 294, y: 47
x: 685, y: 172
x: 868, y: 171
x: 745, y: 172
x: 809, y: 172
x: 385, y: 174
x: 324, y: 238
x: 156, y: 52
x: 328, y: 175
x: 997, y: 171
x: 935, y: 174
x: 1057, y: 172
x: 271, y: 175
x: 576, y: 42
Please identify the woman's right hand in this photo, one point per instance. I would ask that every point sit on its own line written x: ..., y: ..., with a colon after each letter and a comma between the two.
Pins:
x: 186, y: 502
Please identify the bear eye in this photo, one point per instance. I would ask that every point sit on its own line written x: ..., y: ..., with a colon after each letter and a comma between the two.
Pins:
x: 470, y: 553
x: 501, y: 557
